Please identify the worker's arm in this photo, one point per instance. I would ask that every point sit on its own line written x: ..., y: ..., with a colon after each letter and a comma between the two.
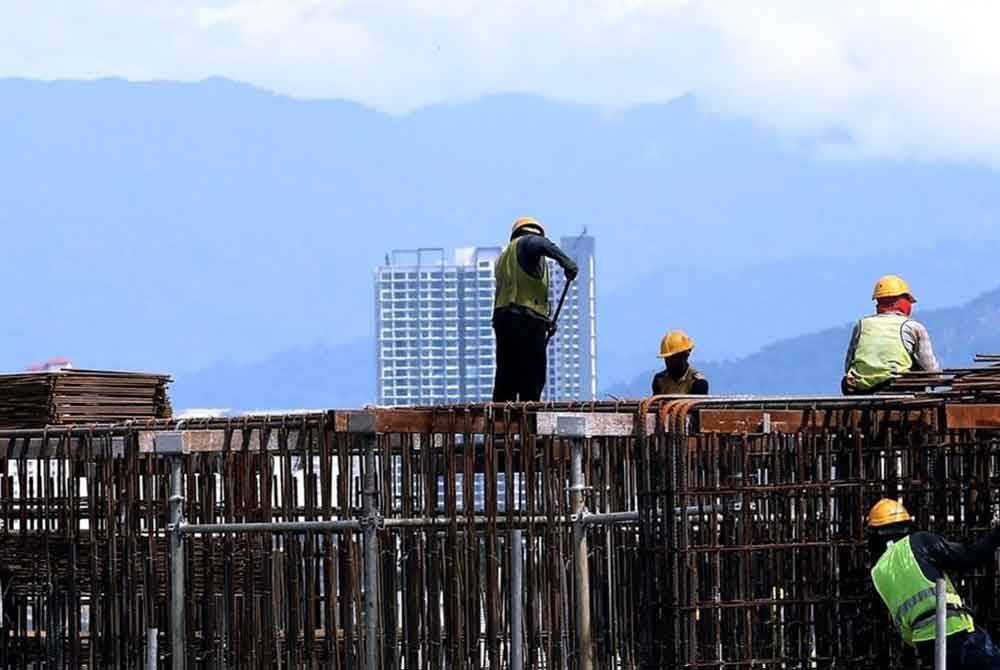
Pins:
x: 532, y: 251
x: 918, y: 340
x: 852, y: 347
x: 700, y: 386
x: 962, y: 557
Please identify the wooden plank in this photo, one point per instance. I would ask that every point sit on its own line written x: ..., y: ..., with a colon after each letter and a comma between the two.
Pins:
x: 596, y: 424
x: 211, y: 441
x: 751, y: 420
x: 958, y: 416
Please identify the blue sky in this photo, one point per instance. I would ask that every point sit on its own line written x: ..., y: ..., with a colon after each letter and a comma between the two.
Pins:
x: 891, y: 79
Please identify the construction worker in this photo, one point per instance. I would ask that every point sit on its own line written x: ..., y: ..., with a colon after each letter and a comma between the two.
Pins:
x: 888, y: 342
x: 678, y: 377
x: 521, y: 311
x: 909, y: 564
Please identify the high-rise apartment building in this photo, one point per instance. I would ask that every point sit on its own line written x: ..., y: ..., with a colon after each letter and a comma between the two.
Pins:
x: 435, y: 340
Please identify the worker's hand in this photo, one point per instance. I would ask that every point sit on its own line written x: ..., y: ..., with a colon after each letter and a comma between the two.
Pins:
x: 572, y: 272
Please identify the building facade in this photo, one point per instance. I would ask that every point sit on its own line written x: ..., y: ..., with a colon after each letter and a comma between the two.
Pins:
x: 434, y: 339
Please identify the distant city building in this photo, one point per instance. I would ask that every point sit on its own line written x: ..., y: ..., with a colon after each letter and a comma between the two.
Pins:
x: 434, y: 338
x: 572, y: 373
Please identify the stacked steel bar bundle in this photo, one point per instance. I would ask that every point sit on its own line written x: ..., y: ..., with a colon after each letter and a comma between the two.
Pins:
x: 983, y: 380
x: 68, y: 396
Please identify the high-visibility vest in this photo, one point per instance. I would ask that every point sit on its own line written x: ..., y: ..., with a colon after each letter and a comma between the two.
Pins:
x: 517, y: 287
x: 910, y: 596
x: 880, y: 352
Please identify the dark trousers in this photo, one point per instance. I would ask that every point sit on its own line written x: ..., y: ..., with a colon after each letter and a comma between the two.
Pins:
x: 878, y: 388
x: 970, y: 651
x: 521, y: 356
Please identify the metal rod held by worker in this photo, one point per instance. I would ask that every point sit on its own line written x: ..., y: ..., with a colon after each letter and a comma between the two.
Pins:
x: 562, y: 299
x: 941, y: 619
x: 177, y: 587
x: 581, y: 568
x: 371, y: 568
x: 516, y: 601
x: 151, y: 648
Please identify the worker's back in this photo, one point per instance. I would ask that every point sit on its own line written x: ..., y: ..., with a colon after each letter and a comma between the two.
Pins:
x: 515, y: 287
x: 880, y: 352
x: 907, y: 590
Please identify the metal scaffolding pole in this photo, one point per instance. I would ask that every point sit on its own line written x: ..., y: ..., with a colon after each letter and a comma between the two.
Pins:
x: 370, y: 524
x: 581, y: 571
x: 177, y: 586
x: 516, y: 601
x: 941, y: 632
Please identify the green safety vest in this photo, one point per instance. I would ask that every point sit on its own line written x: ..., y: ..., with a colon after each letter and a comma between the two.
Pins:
x: 910, y: 597
x: 517, y: 287
x: 880, y: 353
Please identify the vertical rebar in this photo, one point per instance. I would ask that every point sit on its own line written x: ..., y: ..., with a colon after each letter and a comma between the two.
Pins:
x: 151, y: 648
x: 941, y: 617
x: 177, y: 646
x: 371, y: 568
x: 516, y: 602
x: 581, y: 570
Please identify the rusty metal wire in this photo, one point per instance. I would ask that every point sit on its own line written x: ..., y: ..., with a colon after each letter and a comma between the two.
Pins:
x: 83, y: 549
x: 748, y: 551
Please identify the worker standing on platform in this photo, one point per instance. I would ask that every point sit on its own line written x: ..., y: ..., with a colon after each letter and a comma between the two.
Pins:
x: 908, y: 565
x: 679, y: 378
x: 521, y: 320
x: 888, y: 342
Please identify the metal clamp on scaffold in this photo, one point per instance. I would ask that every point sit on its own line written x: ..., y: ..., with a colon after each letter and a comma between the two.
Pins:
x: 376, y: 521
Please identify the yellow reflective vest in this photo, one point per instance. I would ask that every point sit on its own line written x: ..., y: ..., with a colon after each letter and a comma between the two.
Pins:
x: 514, y: 286
x: 910, y: 596
x: 880, y: 352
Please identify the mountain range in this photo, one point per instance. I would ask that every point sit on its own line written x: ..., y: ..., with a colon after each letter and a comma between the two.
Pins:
x: 218, y: 231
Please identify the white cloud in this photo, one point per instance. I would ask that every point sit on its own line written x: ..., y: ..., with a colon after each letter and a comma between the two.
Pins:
x: 900, y: 78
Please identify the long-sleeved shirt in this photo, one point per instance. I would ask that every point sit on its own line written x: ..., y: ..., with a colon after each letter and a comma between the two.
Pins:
x: 916, y: 339
x: 936, y: 555
x: 532, y: 251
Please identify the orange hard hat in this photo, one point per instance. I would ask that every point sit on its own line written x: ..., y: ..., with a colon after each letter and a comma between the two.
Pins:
x: 675, y: 342
x: 891, y: 286
x: 526, y: 222
x: 886, y: 512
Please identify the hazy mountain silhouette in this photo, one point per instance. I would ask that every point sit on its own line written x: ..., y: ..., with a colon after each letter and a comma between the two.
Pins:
x: 169, y: 226
x: 313, y: 378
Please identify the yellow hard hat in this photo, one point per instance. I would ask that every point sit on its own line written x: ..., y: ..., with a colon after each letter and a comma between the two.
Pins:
x: 675, y: 342
x: 887, y: 511
x: 526, y: 221
x: 891, y: 286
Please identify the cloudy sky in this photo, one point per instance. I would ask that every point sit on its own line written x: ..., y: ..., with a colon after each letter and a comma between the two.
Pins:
x: 891, y: 78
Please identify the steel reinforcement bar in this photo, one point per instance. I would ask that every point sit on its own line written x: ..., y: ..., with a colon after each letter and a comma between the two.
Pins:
x: 708, y: 533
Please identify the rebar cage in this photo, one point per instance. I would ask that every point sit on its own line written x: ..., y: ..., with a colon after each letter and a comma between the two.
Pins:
x: 719, y: 533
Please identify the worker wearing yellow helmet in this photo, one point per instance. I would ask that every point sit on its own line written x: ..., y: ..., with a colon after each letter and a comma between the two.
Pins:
x: 678, y: 377
x: 521, y: 320
x: 887, y: 343
x: 908, y: 564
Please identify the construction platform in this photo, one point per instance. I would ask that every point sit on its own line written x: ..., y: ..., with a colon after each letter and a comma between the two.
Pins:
x: 667, y: 533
